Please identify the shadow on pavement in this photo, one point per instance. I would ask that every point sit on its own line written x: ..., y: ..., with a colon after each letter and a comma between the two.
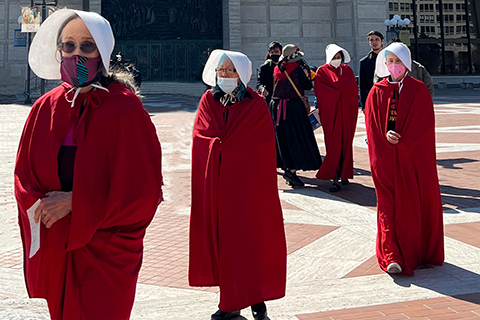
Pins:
x: 445, y: 280
x: 450, y: 163
x: 354, y: 192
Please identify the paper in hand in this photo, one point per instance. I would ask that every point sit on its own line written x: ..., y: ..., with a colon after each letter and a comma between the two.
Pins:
x: 34, y: 229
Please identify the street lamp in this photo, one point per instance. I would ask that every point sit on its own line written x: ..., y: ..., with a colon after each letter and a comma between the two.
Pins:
x: 397, y: 28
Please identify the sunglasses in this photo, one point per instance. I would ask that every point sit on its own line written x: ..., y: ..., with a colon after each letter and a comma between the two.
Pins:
x: 86, y: 47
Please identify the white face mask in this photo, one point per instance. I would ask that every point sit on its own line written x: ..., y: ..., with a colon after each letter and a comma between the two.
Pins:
x: 227, y: 84
x: 336, y: 63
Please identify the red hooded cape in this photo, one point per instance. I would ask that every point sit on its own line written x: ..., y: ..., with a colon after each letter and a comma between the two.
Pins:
x: 237, y: 238
x: 409, y: 205
x: 337, y: 97
x: 88, y: 262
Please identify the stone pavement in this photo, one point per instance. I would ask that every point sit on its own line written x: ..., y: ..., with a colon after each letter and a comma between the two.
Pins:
x: 332, y: 269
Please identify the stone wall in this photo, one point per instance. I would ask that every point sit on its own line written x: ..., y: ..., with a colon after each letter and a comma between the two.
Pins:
x: 249, y: 25
x: 13, y: 60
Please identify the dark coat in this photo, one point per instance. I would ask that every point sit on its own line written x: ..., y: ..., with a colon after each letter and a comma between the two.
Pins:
x: 265, y: 78
x: 367, y: 73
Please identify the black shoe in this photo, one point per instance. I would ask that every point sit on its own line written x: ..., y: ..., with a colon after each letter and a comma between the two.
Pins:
x: 335, y: 187
x: 345, y: 182
x: 292, y: 179
x: 223, y: 315
x: 259, y: 311
x: 260, y: 315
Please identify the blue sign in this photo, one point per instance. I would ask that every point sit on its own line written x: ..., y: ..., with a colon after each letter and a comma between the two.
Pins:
x: 19, y: 39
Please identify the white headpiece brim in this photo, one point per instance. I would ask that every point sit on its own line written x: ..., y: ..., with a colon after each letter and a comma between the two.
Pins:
x: 45, y: 58
x: 400, y: 50
x: 239, y: 60
x: 332, y: 49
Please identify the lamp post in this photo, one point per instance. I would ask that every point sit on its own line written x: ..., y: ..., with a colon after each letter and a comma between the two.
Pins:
x: 44, y: 5
x: 397, y: 29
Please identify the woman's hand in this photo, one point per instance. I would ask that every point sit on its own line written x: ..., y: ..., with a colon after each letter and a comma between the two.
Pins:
x: 393, y: 137
x: 54, y: 207
x: 264, y: 92
x: 282, y: 65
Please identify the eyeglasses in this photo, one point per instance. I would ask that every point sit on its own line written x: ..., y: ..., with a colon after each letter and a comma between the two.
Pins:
x: 229, y: 70
x: 86, y: 47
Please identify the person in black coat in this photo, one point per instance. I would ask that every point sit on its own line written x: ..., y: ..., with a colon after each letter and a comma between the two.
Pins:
x: 367, y: 64
x: 265, y: 74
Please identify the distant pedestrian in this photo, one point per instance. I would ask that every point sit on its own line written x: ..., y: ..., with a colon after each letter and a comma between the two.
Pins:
x: 296, y: 145
x: 336, y: 91
x: 367, y: 64
x: 87, y: 175
x: 400, y: 125
x: 265, y: 74
x: 237, y: 239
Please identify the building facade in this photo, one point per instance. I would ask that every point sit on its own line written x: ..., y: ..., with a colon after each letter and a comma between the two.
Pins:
x: 444, y: 34
x: 169, y: 41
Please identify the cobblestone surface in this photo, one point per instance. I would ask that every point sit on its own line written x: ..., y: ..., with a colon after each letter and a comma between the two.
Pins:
x: 333, y: 272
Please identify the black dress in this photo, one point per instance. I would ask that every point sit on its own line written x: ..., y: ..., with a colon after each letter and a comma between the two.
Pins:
x: 296, y: 144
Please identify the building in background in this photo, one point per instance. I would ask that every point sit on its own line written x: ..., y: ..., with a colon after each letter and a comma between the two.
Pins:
x: 169, y: 41
x: 444, y: 34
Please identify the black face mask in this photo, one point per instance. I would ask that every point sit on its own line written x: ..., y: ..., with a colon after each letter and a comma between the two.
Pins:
x: 275, y: 57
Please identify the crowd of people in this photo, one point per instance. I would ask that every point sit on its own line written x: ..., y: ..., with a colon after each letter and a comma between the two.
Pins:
x: 88, y: 174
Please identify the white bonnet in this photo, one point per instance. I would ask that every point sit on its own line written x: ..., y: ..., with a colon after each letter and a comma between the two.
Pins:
x: 44, y: 57
x: 400, y: 50
x: 332, y: 49
x: 239, y: 60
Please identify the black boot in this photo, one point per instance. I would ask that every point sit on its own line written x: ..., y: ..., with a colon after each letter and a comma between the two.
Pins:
x: 259, y: 311
x: 335, y: 187
x: 224, y: 315
x: 292, y: 179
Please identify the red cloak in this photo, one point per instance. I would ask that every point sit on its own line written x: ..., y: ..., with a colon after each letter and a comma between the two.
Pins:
x: 88, y: 262
x: 237, y: 238
x: 337, y: 96
x: 409, y: 205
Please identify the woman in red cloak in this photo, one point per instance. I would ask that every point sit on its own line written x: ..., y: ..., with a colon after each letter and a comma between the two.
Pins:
x: 336, y: 91
x: 87, y: 175
x: 237, y: 238
x: 400, y: 126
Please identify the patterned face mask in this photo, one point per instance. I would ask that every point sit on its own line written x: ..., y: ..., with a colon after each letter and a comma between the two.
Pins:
x: 80, y: 71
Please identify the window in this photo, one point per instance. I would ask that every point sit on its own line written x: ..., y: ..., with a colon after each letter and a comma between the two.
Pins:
x: 390, y: 6
x: 448, y: 18
x: 422, y: 8
x: 422, y: 19
x: 395, y: 6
